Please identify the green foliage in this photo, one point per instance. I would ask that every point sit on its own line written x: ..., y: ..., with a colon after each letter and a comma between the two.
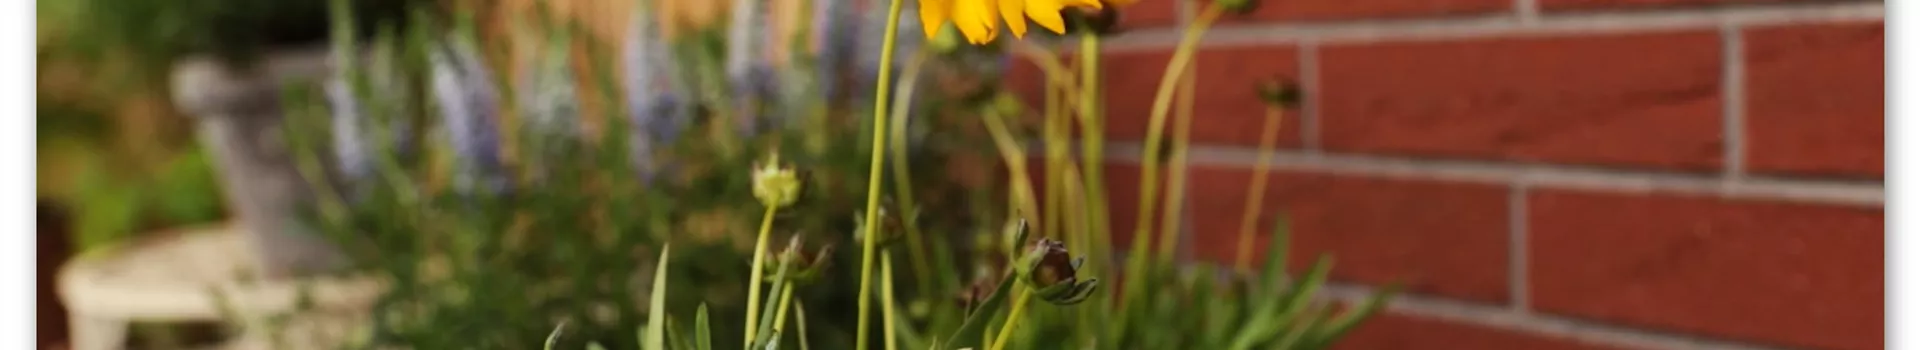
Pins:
x: 112, y: 204
x: 499, y: 268
x: 480, y: 269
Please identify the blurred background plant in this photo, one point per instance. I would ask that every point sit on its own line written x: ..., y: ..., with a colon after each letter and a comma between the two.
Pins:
x: 544, y: 177
x: 533, y: 194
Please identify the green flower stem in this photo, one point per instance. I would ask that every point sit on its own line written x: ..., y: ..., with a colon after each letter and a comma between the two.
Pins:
x: 756, y: 274
x: 902, y: 177
x: 1170, y: 212
x: 1257, y: 190
x: 1060, y: 87
x: 1093, y: 151
x: 1136, y: 280
x: 1013, y: 317
x: 780, y: 318
x: 873, y: 176
x: 800, y: 319
x: 1056, y: 153
x: 1010, y: 152
x: 886, y: 301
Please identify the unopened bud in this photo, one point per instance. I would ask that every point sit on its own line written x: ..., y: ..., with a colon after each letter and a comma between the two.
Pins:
x: 1238, y: 7
x: 775, y: 185
x: 1279, y: 93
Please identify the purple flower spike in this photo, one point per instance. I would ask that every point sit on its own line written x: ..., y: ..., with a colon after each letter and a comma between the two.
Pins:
x: 469, y: 105
x: 349, y: 139
x: 834, y: 24
x: 751, y: 77
x: 653, y: 107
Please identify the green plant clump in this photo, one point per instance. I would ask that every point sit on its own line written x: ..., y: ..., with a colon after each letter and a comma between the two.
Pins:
x: 566, y: 242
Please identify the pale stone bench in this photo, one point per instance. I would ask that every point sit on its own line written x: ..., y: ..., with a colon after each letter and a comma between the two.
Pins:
x: 183, y: 276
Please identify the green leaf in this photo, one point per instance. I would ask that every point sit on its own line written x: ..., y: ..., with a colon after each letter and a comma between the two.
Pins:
x: 702, y: 336
x: 657, y: 307
x: 554, y: 337
x: 765, y: 334
x: 1333, y: 330
x: 1267, y: 322
x: 595, y: 346
x: 1274, y: 273
x: 975, y: 327
x: 1299, y: 331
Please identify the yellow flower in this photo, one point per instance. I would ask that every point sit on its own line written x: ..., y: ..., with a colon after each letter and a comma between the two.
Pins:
x: 979, y: 20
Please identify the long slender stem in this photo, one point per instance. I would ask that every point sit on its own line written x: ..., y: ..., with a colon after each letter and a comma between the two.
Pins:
x: 1011, y: 153
x: 873, y: 175
x: 1056, y: 148
x: 780, y: 318
x: 756, y: 274
x: 1136, y: 280
x: 1257, y: 190
x: 800, y: 318
x: 1093, y: 151
x: 1171, y: 210
x: 1013, y: 318
x: 902, y: 175
x: 886, y: 302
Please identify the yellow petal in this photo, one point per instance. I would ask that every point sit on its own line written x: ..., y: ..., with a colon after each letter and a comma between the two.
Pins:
x: 976, y: 19
x: 1012, y: 11
x: 934, y: 14
x: 1046, y: 16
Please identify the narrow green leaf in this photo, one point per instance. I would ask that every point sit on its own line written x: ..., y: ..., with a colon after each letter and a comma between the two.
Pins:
x: 657, y: 307
x: 768, y: 309
x: 678, y: 336
x: 1268, y: 323
x: 1338, y: 327
x: 1274, y: 273
x: 1299, y: 331
x: 975, y: 327
x: 554, y: 337
x: 702, y: 336
x: 595, y: 346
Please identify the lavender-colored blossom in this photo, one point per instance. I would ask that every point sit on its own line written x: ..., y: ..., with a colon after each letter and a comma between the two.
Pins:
x: 834, y: 25
x: 656, y: 114
x: 355, y: 136
x: 349, y: 139
x: 468, y: 107
x: 752, y: 79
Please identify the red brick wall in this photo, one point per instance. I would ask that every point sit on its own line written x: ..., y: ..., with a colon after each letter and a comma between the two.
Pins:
x: 1550, y: 174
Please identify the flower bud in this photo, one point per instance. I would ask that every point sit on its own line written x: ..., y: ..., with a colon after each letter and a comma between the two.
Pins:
x: 1279, y: 93
x: 1238, y: 7
x: 776, y: 186
x: 889, y: 230
x: 803, y: 267
x: 1006, y: 104
x: 1051, y: 271
x: 1102, y: 21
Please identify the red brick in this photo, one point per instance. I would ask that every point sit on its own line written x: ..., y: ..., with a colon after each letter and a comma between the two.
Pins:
x: 1149, y: 14
x: 1395, y: 331
x: 1790, y: 274
x: 1433, y: 237
x: 1579, y: 5
x: 1597, y: 100
x: 1226, y: 110
x: 1322, y: 10
x: 1815, y: 99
